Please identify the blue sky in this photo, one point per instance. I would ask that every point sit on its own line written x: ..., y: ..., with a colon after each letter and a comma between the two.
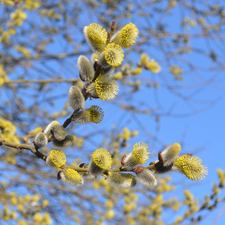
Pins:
x: 201, y: 133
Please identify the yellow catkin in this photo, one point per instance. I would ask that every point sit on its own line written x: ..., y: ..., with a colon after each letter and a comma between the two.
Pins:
x: 56, y: 158
x: 153, y: 66
x: 106, y: 87
x: 191, y: 167
x: 96, y: 114
x: 97, y: 36
x: 114, y: 55
x: 102, y: 158
x: 72, y: 177
x: 128, y: 35
x: 141, y: 152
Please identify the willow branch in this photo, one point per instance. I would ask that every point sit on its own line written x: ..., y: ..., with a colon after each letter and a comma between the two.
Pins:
x: 78, y: 169
x: 23, y: 146
x: 40, y: 81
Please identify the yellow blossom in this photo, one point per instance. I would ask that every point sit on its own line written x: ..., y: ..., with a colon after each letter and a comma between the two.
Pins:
x: 102, y: 158
x: 71, y: 176
x: 141, y: 152
x: 153, y: 66
x: 114, y: 55
x: 56, y: 158
x: 96, y: 36
x: 106, y: 87
x: 191, y: 167
x: 127, y: 36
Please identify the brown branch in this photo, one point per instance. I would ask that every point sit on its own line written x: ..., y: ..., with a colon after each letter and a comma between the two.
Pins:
x: 23, y: 146
x: 78, y: 169
x: 40, y: 81
x: 112, y: 31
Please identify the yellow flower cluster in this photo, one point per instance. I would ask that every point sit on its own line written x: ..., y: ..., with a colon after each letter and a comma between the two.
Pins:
x: 114, y: 55
x: 7, y: 131
x: 191, y: 167
x: 112, y: 52
x: 72, y: 177
x: 96, y: 114
x: 102, y: 158
x: 96, y: 35
x: 106, y: 87
x: 141, y: 152
x: 3, y: 75
x: 56, y: 158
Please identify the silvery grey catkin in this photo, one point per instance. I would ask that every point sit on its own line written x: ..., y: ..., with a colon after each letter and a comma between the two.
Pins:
x: 41, y: 140
x: 76, y: 98
x: 86, y: 69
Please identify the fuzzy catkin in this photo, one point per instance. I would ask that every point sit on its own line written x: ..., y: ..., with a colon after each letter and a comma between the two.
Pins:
x: 146, y: 178
x: 82, y: 117
x: 56, y: 158
x: 41, y: 140
x: 48, y: 129
x: 94, y: 169
x: 86, y: 69
x: 170, y: 154
x: 67, y: 142
x: 139, y: 155
x: 122, y: 180
x: 76, y: 98
x: 59, y: 132
x: 92, y: 91
x: 71, y: 177
x: 96, y: 36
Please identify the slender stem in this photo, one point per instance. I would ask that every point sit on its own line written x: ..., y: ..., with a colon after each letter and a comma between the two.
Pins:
x: 23, y: 146
x: 40, y: 81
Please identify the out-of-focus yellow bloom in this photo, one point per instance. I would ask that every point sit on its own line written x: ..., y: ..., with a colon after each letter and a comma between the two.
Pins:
x: 153, y: 66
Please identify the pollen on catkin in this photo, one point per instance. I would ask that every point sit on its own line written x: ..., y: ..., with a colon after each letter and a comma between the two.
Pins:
x: 41, y: 140
x: 170, y: 154
x: 106, y: 87
x: 153, y: 66
x: 136, y: 71
x: 76, y: 98
x: 127, y: 36
x: 101, y: 160
x: 96, y: 36
x: 94, y: 114
x: 122, y: 180
x: 56, y: 158
x: 86, y: 69
x: 191, y: 167
x: 139, y: 155
x: 67, y: 142
x: 146, y: 178
x: 71, y: 176
x: 144, y: 60
x: 114, y: 55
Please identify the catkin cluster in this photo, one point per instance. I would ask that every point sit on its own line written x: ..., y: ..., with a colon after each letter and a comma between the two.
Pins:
x: 99, y: 84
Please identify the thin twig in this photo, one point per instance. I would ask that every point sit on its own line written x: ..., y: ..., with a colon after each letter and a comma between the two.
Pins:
x: 40, y: 81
